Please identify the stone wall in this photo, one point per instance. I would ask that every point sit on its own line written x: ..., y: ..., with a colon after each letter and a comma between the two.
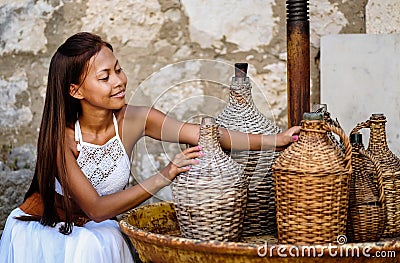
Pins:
x: 184, y: 48
x: 150, y: 35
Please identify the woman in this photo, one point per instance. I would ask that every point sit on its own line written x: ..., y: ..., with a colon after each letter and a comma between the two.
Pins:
x: 82, y: 164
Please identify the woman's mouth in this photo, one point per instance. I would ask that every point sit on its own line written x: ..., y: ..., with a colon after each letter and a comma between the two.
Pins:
x: 120, y: 94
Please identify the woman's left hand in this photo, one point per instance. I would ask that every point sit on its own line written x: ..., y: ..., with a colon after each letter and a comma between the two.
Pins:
x: 182, y: 162
x: 288, y: 136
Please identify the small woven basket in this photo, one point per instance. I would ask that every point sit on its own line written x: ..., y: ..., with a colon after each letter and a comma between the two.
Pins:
x: 366, y: 219
x: 390, y: 165
x: 210, y: 198
x: 241, y: 114
x: 312, y: 185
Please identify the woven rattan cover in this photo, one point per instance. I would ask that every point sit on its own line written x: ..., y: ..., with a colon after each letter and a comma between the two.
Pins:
x: 311, y: 186
x: 210, y: 198
x: 390, y: 164
x: 323, y: 108
x: 241, y: 114
x: 366, y: 219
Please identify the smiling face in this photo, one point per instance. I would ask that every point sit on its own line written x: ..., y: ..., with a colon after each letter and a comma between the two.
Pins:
x: 104, y: 83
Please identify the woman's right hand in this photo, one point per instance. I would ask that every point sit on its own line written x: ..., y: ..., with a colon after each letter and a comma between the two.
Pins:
x: 182, y: 163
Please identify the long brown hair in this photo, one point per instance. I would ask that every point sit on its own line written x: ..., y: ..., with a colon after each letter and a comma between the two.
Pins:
x: 68, y: 66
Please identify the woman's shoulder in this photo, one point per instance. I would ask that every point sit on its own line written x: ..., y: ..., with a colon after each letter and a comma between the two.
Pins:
x: 129, y: 109
x: 131, y: 123
x: 131, y: 113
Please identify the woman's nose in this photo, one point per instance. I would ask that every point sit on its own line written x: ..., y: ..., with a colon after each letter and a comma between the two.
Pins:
x: 119, y: 79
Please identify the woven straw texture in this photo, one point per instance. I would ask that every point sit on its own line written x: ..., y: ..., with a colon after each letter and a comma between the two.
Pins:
x: 241, y: 114
x: 390, y: 164
x: 210, y: 198
x: 312, y: 186
x: 323, y: 108
x: 366, y: 219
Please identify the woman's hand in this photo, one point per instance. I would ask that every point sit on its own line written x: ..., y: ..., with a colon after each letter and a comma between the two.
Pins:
x: 181, y: 163
x: 288, y: 136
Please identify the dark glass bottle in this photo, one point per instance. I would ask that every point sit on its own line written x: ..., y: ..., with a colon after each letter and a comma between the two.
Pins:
x: 366, y: 219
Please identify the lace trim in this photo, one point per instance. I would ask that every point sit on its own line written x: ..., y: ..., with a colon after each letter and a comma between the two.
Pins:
x: 99, y: 163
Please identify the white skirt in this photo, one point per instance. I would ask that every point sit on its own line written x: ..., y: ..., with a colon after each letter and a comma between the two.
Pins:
x: 32, y: 242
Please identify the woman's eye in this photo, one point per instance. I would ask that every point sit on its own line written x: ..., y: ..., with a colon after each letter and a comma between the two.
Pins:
x: 119, y: 70
x: 105, y: 78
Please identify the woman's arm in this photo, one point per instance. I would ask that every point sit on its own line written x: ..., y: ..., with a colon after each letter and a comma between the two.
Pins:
x: 161, y: 127
x: 243, y: 141
x: 99, y: 208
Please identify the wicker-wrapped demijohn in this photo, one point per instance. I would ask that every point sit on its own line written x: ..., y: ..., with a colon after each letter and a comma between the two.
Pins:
x: 210, y: 198
x: 390, y: 165
x: 366, y: 218
x: 312, y: 185
x: 241, y: 114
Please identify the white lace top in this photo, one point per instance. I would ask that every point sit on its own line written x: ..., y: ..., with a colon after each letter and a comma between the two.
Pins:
x: 106, y: 166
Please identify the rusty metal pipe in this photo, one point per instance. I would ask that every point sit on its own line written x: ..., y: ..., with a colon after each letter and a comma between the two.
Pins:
x: 298, y: 60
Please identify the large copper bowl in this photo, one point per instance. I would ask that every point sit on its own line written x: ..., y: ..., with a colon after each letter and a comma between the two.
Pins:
x: 154, y: 231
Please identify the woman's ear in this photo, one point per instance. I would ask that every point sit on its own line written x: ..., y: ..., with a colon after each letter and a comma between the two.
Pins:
x: 75, y: 92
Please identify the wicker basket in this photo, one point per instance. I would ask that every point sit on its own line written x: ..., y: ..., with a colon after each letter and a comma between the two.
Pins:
x: 241, y: 114
x: 154, y: 232
x: 366, y: 219
x: 390, y: 164
x: 312, y: 185
x: 210, y: 198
